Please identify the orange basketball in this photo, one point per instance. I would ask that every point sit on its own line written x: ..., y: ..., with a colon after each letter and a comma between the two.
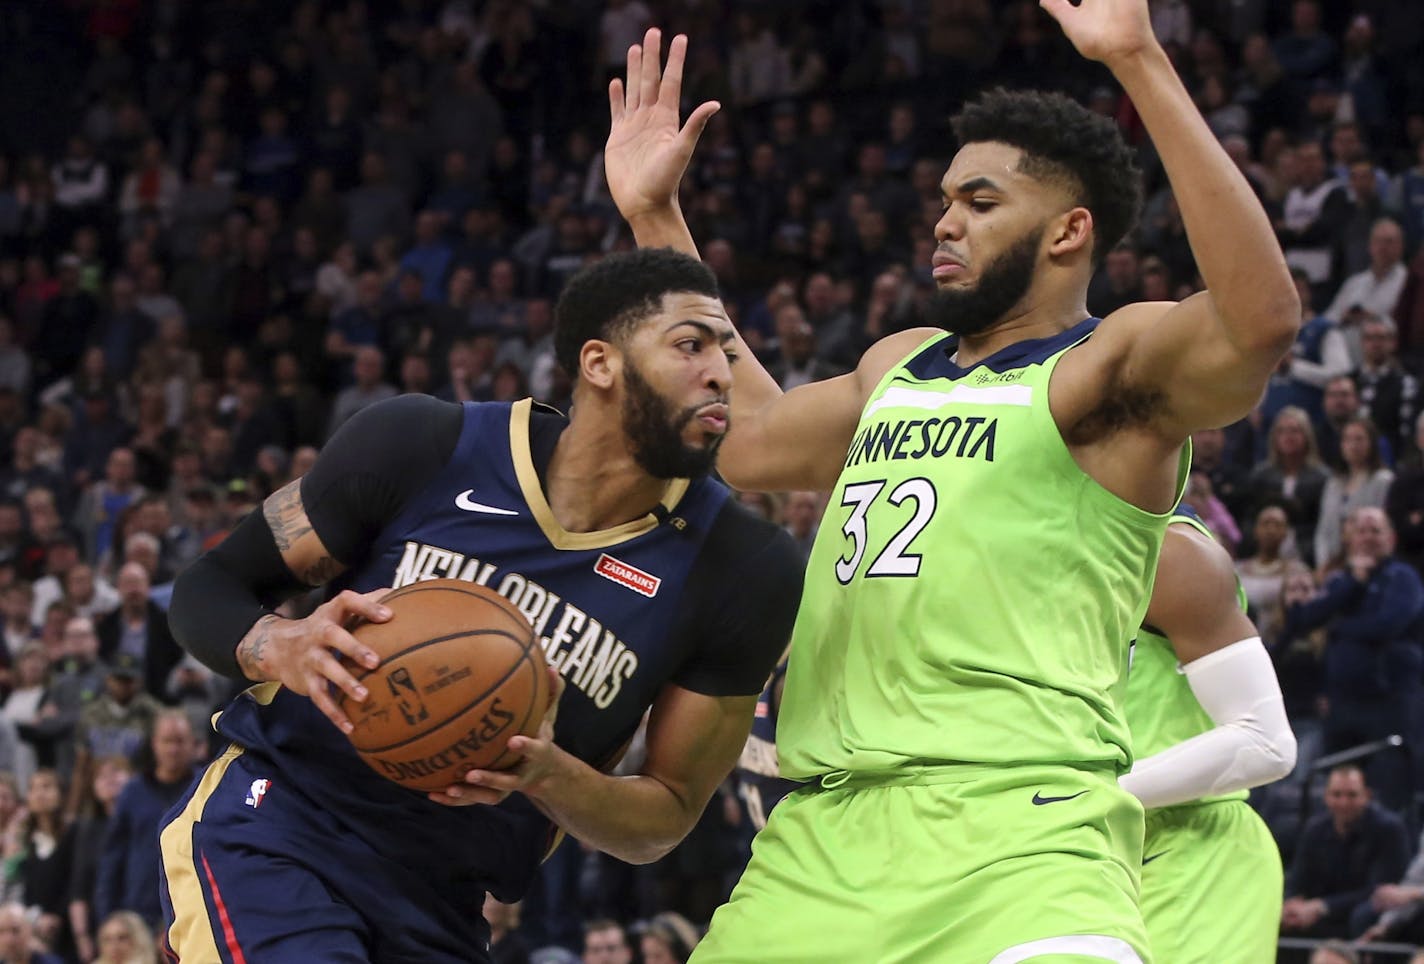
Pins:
x: 460, y: 674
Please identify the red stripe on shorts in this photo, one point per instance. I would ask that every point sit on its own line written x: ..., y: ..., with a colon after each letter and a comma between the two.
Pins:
x: 229, y: 936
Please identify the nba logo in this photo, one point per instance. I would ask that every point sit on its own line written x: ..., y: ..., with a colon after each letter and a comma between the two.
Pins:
x: 256, y: 792
x: 412, y: 707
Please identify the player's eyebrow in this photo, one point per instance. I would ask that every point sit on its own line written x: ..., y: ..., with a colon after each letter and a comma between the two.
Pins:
x: 723, y: 335
x: 980, y: 183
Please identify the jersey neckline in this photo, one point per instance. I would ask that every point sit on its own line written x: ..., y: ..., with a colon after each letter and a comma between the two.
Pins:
x: 527, y: 475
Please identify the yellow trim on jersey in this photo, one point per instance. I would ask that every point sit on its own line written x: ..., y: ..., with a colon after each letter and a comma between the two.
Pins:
x: 191, y: 936
x: 558, y: 536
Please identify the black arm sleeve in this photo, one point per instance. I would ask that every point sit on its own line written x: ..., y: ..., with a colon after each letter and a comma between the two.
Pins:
x: 748, y: 583
x: 374, y: 463
x: 377, y: 460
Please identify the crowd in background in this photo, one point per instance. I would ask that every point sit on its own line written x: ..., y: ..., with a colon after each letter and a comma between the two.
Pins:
x: 227, y: 225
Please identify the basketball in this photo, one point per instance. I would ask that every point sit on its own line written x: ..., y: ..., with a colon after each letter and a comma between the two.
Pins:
x: 460, y: 674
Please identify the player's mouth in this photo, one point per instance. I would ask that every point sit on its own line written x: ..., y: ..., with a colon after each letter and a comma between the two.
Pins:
x: 944, y: 265
x: 713, y: 417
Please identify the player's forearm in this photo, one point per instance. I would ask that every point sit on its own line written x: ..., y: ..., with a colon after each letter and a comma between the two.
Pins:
x: 1252, y: 742
x: 664, y: 227
x: 637, y: 819
x: 1231, y: 237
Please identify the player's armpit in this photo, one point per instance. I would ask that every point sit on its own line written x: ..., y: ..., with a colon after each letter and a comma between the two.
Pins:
x: 301, y: 548
x: 1205, y: 374
x: 798, y: 440
x: 1194, y: 598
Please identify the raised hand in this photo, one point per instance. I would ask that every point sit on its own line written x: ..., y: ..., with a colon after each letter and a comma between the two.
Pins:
x: 647, y: 152
x: 1104, y: 30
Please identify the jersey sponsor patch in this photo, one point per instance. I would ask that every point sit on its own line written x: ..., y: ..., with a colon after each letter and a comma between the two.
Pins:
x: 643, y: 583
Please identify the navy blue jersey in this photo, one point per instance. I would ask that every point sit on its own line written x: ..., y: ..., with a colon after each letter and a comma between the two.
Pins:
x: 700, y: 593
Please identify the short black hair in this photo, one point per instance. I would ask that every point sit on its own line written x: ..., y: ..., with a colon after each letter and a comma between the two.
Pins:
x: 1065, y: 142
x: 606, y: 299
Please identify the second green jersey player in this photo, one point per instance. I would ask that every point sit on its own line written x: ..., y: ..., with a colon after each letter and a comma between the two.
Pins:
x: 1208, y: 722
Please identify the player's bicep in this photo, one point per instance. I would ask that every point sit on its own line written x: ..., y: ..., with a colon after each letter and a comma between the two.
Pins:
x: 798, y: 440
x: 297, y: 541
x: 1205, y: 377
x: 693, y: 741
x: 1194, y: 600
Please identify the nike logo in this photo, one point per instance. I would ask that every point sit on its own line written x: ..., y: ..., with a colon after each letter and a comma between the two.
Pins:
x: 463, y: 501
x: 1148, y: 860
x: 1039, y: 800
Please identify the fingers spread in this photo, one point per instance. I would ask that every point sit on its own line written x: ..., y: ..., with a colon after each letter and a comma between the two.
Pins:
x: 635, y: 73
x: 671, y: 93
x: 615, y: 100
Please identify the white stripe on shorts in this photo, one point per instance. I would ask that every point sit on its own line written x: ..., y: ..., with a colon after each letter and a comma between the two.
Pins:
x: 1084, y: 945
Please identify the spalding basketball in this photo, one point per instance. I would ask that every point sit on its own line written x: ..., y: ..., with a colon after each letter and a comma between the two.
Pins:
x: 460, y: 674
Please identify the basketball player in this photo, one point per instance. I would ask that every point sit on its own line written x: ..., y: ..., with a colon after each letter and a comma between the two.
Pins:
x: 759, y: 780
x: 645, y: 583
x: 1208, y: 722
x: 998, y: 504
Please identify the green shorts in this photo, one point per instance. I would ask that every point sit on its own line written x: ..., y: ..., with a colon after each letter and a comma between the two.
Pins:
x: 1211, y: 885
x: 944, y: 865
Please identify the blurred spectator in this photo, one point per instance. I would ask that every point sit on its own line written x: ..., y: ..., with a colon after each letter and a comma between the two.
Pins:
x: 129, y: 865
x: 604, y: 942
x: 116, y: 723
x: 1372, y: 660
x: 17, y: 938
x: 138, y: 630
x: 104, y: 503
x: 369, y: 387
x: 1227, y: 478
x: 1319, y: 354
x: 1343, y: 855
x: 68, y: 322
x: 1390, y: 393
x: 1340, y: 406
x: 39, y: 846
x: 25, y: 473
x: 77, y: 681
x: 1263, y: 574
x: 110, y: 775
x: 125, y: 938
x: 1364, y: 481
x: 1375, y: 290
x: 797, y: 341
x: 668, y: 939
x: 1334, y: 952
x: 376, y: 208
x: 1405, y: 502
x: 1212, y: 511
x: 1291, y: 475
x: 1313, y: 215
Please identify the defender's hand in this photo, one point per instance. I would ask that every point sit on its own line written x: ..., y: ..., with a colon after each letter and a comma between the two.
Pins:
x: 647, y: 154
x: 1104, y: 30
x: 539, y: 760
x: 301, y: 654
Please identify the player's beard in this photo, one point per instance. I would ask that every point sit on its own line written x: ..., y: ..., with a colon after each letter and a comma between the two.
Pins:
x: 1005, y: 280
x: 655, y: 431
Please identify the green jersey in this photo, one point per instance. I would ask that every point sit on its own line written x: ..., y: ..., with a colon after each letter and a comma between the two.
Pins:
x: 971, y: 594
x: 1161, y: 708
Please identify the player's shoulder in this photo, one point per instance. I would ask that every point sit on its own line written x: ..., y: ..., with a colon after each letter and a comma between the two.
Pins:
x: 755, y: 548
x: 1121, y: 328
x: 888, y: 352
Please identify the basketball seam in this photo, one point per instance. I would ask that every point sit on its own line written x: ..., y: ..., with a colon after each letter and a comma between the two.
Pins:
x: 462, y: 710
x: 493, y: 764
x: 414, y: 647
x: 499, y: 601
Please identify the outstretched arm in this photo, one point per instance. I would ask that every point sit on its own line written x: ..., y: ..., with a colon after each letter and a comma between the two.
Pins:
x: 795, y: 440
x: 1213, y: 353
x: 1194, y: 603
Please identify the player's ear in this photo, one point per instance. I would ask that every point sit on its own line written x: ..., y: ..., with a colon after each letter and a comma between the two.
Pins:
x: 1070, y: 232
x: 599, y: 363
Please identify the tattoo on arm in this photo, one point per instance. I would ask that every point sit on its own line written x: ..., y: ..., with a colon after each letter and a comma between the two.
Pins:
x: 253, y: 646
x: 321, y: 572
x: 286, y: 515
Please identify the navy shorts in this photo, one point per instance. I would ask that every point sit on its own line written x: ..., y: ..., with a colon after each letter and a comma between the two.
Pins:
x: 256, y: 873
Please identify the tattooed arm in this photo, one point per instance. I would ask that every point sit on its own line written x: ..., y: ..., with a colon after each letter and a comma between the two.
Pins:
x: 309, y: 532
